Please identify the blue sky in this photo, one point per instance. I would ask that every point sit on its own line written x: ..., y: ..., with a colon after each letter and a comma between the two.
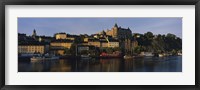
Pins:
x: 50, y: 26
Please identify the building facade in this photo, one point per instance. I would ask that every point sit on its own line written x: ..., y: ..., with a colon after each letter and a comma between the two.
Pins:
x: 61, y: 43
x: 119, y: 33
x: 95, y: 43
x: 33, y: 47
x: 60, y: 35
x: 113, y: 43
x: 24, y: 49
x: 59, y: 46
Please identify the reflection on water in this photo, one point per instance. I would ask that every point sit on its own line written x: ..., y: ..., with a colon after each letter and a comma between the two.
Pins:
x: 147, y: 64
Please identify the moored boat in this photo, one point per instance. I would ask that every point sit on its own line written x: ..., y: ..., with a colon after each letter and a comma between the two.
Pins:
x: 180, y: 54
x: 148, y: 54
x: 128, y: 57
x: 85, y: 57
x: 45, y: 57
x: 160, y: 55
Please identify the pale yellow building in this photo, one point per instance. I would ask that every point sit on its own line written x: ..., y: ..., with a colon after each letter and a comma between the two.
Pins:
x: 104, y: 44
x: 59, y: 46
x: 61, y: 43
x: 85, y: 39
x: 24, y: 49
x: 61, y: 36
x: 94, y: 42
x: 113, y: 43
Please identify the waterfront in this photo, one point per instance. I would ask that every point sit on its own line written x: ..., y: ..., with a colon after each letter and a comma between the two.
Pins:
x: 146, y: 64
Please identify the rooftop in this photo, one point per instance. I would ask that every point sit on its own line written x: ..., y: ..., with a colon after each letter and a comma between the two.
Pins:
x: 62, y: 40
x: 32, y: 43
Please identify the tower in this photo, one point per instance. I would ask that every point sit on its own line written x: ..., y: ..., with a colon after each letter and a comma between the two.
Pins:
x: 34, y: 33
x: 115, y: 31
x: 116, y: 25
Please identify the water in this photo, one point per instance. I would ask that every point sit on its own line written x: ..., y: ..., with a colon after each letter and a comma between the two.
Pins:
x: 147, y: 64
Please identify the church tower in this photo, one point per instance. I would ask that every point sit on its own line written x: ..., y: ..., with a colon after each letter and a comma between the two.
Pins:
x: 115, y: 30
x: 34, y: 33
x: 116, y: 26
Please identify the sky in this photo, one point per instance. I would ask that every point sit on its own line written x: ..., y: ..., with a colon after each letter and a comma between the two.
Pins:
x: 50, y: 26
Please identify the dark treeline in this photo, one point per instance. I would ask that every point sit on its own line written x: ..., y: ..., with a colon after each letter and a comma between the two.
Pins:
x: 158, y: 43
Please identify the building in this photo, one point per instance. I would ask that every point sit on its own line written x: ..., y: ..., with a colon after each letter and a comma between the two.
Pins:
x: 61, y: 35
x: 34, y: 33
x: 72, y: 37
x: 119, y: 33
x: 113, y: 43
x: 94, y: 42
x: 33, y: 47
x: 101, y: 42
x: 86, y: 39
x: 104, y: 44
x: 61, y: 43
x: 59, y: 46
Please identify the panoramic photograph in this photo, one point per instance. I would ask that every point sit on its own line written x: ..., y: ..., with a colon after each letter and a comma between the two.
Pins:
x: 100, y: 44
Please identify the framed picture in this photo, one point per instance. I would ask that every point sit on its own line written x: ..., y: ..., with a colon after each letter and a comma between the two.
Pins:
x: 74, y: 44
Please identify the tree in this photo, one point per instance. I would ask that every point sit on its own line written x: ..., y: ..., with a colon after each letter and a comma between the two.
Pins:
x: 159, y: 43
x: 149, y: 35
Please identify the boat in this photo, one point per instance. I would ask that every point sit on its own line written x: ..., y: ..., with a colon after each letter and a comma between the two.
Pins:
x: 148, y: 54
x: 115, y: 54
x: 128, y: 57
x: 160, y: 55
x: 179, y: 54
x: 46, y: 57
x: 85, y: 57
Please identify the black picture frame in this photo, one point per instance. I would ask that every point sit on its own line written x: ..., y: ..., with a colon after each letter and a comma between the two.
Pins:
x: 3, y: 3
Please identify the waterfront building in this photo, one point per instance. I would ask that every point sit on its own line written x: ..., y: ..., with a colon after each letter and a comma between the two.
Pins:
x: 59, y: 46
x: 104, y: 44
x: 33, y: 47
x: 94, y: 42
x: 113, y: 42
x: 61, y: 43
